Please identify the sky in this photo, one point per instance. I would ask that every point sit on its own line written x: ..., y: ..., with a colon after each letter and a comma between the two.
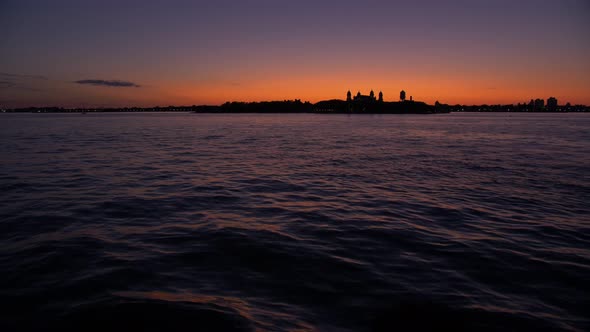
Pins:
x: 78, y: 53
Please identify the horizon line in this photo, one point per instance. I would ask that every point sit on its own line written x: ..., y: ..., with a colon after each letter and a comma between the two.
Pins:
x: 277, y: 100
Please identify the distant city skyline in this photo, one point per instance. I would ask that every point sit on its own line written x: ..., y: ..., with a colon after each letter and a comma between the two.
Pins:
x: 114, y: 54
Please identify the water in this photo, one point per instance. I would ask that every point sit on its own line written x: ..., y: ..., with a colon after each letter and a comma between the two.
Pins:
x: 294, y: 222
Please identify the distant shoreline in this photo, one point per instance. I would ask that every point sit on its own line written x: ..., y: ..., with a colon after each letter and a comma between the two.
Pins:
x: 319, y: 113
x: 166, y: 111
x: 323, y: 107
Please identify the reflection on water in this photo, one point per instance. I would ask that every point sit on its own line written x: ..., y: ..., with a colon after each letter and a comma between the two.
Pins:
x: 294, y: 222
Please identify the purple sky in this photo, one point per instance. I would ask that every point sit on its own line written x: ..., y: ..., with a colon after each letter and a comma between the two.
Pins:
x: 118, y: 53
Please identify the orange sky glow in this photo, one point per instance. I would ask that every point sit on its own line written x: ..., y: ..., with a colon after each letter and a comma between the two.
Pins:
x: 454, y: 52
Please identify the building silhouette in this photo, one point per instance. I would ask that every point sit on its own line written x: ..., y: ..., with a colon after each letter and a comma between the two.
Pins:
x: 364, y: 98
x: 370, y: 98
x: 552, y: 104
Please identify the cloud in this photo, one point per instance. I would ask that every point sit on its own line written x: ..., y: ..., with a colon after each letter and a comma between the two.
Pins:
x: 111, y: 83
x: 9, y: 81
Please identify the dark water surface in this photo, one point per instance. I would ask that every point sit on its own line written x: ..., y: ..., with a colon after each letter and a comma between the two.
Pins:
x: 294, y: 222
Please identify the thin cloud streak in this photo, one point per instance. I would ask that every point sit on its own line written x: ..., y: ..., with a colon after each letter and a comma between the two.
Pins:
x: 10, y: 81
x: 109, y: 83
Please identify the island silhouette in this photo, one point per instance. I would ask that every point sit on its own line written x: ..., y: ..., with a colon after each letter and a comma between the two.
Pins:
x: 368, y: 104
x: 357, y: 104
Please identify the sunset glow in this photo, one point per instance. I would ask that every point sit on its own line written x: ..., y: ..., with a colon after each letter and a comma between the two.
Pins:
x: 187, y: 52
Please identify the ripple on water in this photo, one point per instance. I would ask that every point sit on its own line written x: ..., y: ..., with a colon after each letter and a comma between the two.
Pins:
x: 294, y: 222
